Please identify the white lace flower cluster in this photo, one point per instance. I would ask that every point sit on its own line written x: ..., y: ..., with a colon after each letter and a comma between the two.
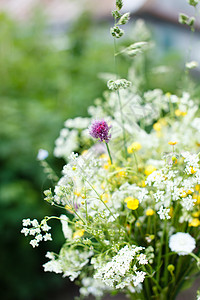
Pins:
x: 68, y: 141
x: 123, y: 269
x: 92, y: 286
x: 40, y: 231
x: 69, y: 262
x: 170, y: 184
x: 192, y: 162
x: 75, y: 176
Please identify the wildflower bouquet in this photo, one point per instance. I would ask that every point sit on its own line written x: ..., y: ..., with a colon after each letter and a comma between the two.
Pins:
x: 130, y: 191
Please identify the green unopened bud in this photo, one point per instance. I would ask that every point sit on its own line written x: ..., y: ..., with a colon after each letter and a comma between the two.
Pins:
x: 119, y: 4
x: 116, y: 14
x: 174, y: 158
x: 49, y: 197
x: 171, y: 269
x: 116, y: 32
x: 193, y: 2
x: 124, y: 19
x: 183, y: 19
x: 155, y: 290
x: 118, y: 84
x: 191, y: 21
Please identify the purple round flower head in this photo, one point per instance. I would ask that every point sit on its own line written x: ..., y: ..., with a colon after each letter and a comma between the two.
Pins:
x: 99, y: 129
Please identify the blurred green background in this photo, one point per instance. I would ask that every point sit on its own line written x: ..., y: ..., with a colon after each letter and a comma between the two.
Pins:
x: 47, y: 76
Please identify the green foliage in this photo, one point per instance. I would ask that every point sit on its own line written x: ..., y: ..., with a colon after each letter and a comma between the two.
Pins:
x: 41, y: 86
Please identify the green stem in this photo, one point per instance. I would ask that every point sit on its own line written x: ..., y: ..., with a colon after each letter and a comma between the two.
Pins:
x: 119, y: 100
x: 136, y: 162
x: 160, y: 254
x: 123, y: 128
x: 99, y: 197
x: 166, y: 260
x: 109, y: 153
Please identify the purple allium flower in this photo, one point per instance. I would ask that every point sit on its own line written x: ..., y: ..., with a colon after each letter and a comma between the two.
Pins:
x: 99, y: 129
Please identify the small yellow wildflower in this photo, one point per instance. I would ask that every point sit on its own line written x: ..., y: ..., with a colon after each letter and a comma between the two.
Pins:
x: 196, y: 214
x: 194, y: 223
x: 107, y: 166
x: 174, y: 159
x: 150, y: 212
x: 172, y: 143
x: 121, y: 172
x: 137, y: 224
x: 171, y: 210
x: 134, y: 147
x: 105, y: 197
x: 69, y: 208
x: 104, y: 156
x: 157, y: 126
x: 179, y: 113
x: 195, y: 196
x: 198, y: 144
x: 76, y: 193
x: 142, y: 183
x: 149, y: 169
x: 192, y: 170
x: 189, y: 192
x: 168, y: 94
x: 197, y: 187
x: 183, y: 194
x: 84, y: 152
x: 132, y: 203
x: 78, y: 233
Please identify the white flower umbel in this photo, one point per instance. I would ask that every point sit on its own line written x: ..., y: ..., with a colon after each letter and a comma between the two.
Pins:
x: 182, y: 243
x: 164, y: 213
x: 37, y: 230
x: 119, y: 272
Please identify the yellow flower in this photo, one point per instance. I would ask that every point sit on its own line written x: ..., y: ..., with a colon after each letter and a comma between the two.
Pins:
x: 194, y: 223
x: 149, y: 169
x: 84, y: 152
x: 157, y: 126
x: 189, y: 192
x: 150, y: 212
x: 134, y: 147
x: 195, y: 196
x: 171, y: 210
x: 183, y: 194
x: 179, y: 113
x: 168, y: 94
x: 196, y: 214
x: 69, y: 208
x: 197, y: 187
x: 172, y: 143
x: 105, y: 197
x: 76, y: 193
x: 142, y: 183
x: 78, y: 233
x: 121, y: 172
x: 192, y: 170
x: 132, y: 203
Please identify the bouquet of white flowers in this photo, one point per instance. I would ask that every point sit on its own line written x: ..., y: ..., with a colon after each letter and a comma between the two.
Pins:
x: 130, y: 191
